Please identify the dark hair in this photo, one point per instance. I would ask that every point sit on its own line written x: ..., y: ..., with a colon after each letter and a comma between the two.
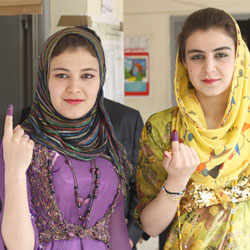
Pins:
x: 75, y: 41
x: 205, y: 19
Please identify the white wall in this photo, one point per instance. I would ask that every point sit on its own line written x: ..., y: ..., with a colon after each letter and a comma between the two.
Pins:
x: 64, y: 7
x: 79, y: 7
x: 152, y: 18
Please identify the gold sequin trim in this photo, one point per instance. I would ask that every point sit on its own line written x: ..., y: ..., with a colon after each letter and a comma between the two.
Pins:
x: 198, y: 196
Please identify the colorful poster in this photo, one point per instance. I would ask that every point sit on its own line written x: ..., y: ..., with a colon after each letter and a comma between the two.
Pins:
x: 136, y: 70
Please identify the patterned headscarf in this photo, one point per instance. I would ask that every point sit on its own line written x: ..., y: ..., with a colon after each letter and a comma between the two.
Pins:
x: 84, y: 138
x: 224, y: 152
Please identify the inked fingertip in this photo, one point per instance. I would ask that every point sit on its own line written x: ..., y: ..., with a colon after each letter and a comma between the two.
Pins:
x: 10, y: 110
x: 174, y: 135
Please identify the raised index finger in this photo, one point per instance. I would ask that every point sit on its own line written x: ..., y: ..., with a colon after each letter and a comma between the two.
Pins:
x: 175, y: 143
x: 8, y: 126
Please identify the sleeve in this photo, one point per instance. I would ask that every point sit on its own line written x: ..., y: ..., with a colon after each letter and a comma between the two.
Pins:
x: 117, y: 227
x: 134, y: 231
x: 2, y: 197
x: 155, y: 139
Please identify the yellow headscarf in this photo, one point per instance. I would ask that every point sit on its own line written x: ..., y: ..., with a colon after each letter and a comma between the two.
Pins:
x: 224, y: 152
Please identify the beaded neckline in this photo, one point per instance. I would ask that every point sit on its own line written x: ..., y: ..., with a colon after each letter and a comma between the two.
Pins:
x: 48, y: 218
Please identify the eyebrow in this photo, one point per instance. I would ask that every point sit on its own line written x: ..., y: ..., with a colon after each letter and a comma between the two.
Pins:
x: 217, y: 49
x: 67, y: 70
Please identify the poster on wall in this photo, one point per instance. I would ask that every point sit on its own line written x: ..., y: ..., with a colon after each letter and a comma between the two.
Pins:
x: 136, y: 73
x: 136, y: 66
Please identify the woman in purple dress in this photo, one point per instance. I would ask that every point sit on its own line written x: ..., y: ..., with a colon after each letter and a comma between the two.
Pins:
x: 63, y: 172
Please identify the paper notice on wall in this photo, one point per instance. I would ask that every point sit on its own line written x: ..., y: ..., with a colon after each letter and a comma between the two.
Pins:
x: 114, y: 85
x: 107, y: 8
x: 113, y: 45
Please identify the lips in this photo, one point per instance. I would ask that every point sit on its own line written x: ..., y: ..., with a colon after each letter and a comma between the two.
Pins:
x: 209, y: 81
x: 73, y: 101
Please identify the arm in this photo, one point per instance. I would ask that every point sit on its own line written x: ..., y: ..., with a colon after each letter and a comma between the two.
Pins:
x: 17, y: 229
x: 1, y: 193
x: 180, y: 165
x: 174, y: 170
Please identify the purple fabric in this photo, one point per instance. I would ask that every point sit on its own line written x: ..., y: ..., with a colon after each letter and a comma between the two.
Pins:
x: 64, y: 190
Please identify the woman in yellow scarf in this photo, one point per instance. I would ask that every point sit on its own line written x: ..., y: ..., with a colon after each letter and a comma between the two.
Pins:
x: 193, y: 175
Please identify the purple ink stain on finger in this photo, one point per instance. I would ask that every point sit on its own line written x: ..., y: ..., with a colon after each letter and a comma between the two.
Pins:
x: 10, y: 110
x: 174, y: 135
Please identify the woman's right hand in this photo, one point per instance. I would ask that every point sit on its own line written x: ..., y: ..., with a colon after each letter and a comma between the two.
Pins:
x: 180, y: 164
x: 17, y: 146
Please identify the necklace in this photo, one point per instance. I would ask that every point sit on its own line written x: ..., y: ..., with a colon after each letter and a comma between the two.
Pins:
x: 95, y: 183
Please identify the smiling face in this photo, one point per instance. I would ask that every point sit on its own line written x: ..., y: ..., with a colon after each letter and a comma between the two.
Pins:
x: 74, y: 81
x: 209, y: 60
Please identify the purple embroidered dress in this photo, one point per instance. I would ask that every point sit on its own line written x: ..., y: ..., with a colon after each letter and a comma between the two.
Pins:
x: 54, y: 212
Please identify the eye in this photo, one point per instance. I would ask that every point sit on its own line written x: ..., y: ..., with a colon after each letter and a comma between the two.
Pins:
x: 87, y: 76
x: 197, y: 57
x: 221, y: 54
x: 61, y: 75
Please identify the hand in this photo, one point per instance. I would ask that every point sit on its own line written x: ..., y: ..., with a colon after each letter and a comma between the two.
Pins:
x: 180, y: 164
x: 17, y: 146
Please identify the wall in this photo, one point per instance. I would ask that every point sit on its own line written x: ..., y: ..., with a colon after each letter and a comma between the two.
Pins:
x: 79, y: 7
x: 151, y: 18
x: 63, y: 7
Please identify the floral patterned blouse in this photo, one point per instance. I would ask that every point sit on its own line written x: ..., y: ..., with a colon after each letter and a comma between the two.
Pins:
x: 208, y: 221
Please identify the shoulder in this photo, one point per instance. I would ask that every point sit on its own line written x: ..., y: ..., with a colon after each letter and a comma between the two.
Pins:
x: 157, y: 130
x: 162, y: 118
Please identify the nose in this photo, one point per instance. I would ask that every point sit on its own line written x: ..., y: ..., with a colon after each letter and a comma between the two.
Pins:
x: 209, y: 65
x: 73, y: 85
